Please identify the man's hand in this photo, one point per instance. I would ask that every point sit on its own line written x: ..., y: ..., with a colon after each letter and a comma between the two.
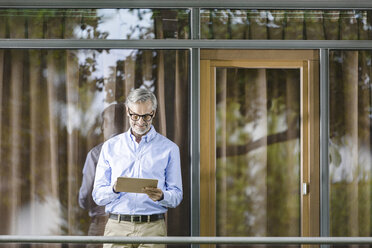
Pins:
x: 155, y: 194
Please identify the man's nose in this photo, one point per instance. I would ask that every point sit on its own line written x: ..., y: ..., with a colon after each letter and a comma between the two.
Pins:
x: 141, y: 121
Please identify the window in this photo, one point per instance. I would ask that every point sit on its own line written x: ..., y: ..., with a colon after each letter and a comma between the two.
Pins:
x: 53, y: 99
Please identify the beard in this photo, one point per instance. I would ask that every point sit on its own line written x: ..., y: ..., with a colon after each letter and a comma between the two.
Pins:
x: 140, y: 130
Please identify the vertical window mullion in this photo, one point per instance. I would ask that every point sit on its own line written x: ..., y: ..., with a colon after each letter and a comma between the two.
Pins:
x: 324, y: 140
x: 195, y: 126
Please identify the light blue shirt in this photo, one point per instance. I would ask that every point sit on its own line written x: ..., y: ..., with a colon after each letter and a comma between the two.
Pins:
x: 154, y: 157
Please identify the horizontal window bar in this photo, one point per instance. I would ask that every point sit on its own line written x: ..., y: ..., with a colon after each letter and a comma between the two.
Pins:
x: 185, y: 240
x: 184, y: 44
x: 267, y: 4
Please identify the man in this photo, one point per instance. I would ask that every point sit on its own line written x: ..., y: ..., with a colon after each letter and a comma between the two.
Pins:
x: 141, y: 152
x: 112, y: 125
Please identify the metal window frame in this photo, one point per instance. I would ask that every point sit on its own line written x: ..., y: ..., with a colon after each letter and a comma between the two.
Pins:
x: 184, y: 44
x: 323, y: 146
x: 194, y: 45
x: 195, y: 126
x: 29, y: 239
x: 267, y: 4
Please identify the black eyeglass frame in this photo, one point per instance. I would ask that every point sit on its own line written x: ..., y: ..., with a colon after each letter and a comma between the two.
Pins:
x: 140, y: 116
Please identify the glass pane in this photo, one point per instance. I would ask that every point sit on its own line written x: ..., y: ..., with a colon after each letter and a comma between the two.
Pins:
x: 258, y: 152
x: 350, y: 143
x: 124, y: 24
x: 286, y: 24
x: 54, y: 109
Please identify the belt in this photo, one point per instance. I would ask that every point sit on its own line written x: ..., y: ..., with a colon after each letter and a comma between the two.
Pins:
x: 136, y: 218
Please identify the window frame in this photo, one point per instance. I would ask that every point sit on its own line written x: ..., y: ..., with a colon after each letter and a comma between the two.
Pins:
x: 195, y: 44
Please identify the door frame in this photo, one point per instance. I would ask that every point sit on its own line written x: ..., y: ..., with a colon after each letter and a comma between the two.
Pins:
x: 308, y: 63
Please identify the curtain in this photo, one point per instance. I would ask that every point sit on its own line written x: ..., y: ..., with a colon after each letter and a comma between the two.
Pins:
x: 50, y: 117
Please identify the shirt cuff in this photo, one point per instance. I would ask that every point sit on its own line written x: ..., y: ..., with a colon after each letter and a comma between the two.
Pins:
x: 115, y: 191
x: 162, y: 197
x: 165, y: 199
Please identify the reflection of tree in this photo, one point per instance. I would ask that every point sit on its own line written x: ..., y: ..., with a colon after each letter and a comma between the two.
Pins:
x: 350, y: 142
x: 350, y: 146
x: 258, y: 152
x: 49, y: 91
x: 164, y: 24
x: 350, y: 108
x: 49, y: 117
x: 286, y: 24
x: 291, y: 133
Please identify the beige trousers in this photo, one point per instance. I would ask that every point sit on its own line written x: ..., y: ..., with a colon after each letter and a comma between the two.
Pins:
x: 128, y: 229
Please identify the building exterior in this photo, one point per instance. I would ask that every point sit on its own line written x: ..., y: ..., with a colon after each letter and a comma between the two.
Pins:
x: 270, y: 104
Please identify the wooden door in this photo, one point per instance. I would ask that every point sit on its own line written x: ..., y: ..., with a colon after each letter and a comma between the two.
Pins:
x: 259, y: 143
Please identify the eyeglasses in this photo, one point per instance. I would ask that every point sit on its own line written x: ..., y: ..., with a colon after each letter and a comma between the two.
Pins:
x: 136, y: 117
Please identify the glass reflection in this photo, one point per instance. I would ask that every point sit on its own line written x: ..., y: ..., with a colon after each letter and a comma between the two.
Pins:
x: 124, y: 24
x: 51, y: 116
x: 286, y: 24
x: 350, y: 143
x: 258, y: 152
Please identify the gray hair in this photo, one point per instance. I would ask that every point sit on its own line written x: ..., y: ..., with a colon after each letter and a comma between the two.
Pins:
x: 141, y: 95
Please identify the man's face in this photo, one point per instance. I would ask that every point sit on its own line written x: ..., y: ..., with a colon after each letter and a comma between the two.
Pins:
x: 140, y: 126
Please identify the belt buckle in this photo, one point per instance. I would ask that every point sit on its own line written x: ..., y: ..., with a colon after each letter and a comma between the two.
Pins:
x: 135, y: 216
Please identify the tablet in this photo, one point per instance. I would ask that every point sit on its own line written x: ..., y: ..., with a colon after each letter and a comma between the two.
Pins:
x: 134, y: 185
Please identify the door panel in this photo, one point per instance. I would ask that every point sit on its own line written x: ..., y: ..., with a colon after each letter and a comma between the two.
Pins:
x: 259, y: 143
x: 257, y: 149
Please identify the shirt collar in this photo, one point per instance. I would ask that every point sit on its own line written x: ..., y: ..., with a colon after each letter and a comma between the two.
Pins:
x: 148, y: 137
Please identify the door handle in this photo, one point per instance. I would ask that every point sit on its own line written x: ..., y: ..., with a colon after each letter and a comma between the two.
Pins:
x: 305, y: 188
